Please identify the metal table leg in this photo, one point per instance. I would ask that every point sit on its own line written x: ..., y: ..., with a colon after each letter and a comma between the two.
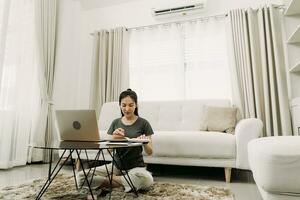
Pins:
x: 52, y: 173
x: 89, y: 171
x: 85, y: 174
x: 124, y: 175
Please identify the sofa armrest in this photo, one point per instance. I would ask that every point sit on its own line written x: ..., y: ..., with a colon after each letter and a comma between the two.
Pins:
x: 246, y: 130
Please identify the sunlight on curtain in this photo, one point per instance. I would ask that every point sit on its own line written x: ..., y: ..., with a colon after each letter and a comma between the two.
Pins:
x: 19, y: 97
x: 155, y: 60
x: 180, y: 61
x: 206, y: 60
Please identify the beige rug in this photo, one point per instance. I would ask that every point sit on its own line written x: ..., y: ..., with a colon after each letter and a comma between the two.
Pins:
x: 63, y: 188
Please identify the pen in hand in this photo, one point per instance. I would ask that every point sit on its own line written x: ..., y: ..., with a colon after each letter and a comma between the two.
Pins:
x: 119, y: 133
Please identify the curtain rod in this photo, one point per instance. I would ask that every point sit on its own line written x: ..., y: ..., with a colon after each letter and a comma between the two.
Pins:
x: 180, y: 21
x: 282, y: 6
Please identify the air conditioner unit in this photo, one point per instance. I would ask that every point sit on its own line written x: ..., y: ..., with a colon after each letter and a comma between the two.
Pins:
x: 181, y: 9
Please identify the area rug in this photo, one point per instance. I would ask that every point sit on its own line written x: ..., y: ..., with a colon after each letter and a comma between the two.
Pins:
x: 63, y: 187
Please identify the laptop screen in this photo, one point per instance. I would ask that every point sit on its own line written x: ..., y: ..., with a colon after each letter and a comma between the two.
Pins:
x: 77, y: 125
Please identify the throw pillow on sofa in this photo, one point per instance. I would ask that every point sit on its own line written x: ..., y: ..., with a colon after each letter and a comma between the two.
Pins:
x: 222, y: 119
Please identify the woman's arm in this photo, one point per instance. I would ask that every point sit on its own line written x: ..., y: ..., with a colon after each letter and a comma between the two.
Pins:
x: 147, y: 147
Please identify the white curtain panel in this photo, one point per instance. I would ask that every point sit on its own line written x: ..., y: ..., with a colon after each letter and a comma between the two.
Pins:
x: 19, y: 92
x: 186, y: 60
x: 259, y: 67
x: 45, y: 15
x: 156, y: 62
x: 206, y: 59
x: 109, y: 66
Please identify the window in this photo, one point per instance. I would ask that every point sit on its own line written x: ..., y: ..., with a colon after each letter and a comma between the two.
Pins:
x: 180, y: 61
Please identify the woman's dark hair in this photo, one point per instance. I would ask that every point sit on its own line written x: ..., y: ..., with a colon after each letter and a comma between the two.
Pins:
x: 129, y: 93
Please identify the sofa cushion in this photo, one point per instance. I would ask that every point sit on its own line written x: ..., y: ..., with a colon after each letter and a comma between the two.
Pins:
x: 164, y: 115
x: 221, y: 119
x: 193, y: 144
x: 176, y: 115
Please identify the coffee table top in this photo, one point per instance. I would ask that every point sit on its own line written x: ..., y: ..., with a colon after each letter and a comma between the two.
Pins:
x: 87, y: 145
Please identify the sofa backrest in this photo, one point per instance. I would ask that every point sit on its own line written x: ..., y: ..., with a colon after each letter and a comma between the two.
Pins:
x: 164, y: 115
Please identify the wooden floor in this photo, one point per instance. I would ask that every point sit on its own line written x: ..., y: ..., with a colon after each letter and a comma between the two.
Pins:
x: 242, y: 184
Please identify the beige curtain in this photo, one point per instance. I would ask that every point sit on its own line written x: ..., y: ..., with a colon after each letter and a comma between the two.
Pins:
x: 46, y: 15
x: 19, y: 91
x: 259, y: 68
x: 109, y: 66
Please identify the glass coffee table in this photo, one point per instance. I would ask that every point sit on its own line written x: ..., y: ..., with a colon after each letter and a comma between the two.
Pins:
x: 70, y: 147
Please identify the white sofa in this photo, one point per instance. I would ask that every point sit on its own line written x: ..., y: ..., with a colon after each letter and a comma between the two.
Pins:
x: 177, y: 138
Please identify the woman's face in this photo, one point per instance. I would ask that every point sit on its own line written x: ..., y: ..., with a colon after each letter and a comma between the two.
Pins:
x: 128, y: 106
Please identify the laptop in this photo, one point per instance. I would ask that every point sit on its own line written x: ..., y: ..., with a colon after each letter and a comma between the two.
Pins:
x: 77, y: 125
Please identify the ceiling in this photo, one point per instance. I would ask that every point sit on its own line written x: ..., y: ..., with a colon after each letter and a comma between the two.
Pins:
x: 90, y: 4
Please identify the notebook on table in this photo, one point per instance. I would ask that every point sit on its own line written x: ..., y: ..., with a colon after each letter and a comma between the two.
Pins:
x: 131, y: 140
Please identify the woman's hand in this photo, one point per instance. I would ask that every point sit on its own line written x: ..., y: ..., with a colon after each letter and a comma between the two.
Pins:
x: 118, y: 133
x: 143, y: 137
x: 148, y: 146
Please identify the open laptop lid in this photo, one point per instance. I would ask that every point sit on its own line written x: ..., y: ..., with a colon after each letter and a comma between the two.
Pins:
x: 77, y: 125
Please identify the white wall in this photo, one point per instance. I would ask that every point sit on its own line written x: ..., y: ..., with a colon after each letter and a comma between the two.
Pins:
x: 75, y: 42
